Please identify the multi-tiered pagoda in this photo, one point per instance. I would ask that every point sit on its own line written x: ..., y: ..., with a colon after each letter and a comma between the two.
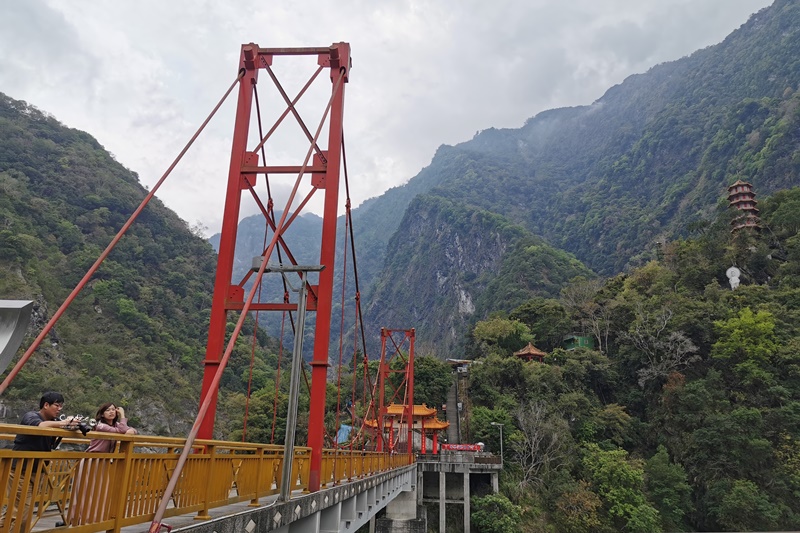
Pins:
x: 742, y: 197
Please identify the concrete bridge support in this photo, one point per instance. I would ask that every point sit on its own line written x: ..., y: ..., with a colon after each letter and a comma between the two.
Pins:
x: 452, y: 478
x: 403, y: 515
x: 442, y: 500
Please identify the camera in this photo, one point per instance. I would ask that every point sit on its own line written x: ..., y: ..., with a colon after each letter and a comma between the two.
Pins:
x: 82, y: 423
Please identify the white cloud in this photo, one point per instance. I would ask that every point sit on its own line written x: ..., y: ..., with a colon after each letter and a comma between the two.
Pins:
x: 142, y: 76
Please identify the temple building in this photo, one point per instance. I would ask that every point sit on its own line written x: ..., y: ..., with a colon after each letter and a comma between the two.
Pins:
x: 424, y: 423
x: 742, y: 197
x: 530, y: 353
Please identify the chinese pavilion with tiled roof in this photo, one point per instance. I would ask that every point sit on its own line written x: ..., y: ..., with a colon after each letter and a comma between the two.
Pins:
x: 530, y: 352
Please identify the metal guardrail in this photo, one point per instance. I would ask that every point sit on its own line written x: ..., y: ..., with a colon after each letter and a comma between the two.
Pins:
x: 108, y: 491
x: 460, y: 457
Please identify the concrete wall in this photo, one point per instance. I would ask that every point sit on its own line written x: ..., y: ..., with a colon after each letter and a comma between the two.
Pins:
x: 385, y: 525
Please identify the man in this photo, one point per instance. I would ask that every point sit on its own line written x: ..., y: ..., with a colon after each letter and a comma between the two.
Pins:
x: 50, y: 406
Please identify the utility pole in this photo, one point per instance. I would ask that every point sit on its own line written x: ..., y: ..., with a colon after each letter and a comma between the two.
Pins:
x: 297, y: 361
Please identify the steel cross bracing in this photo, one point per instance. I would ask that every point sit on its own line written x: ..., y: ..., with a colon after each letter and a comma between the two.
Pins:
x: 398, y: 360
x: 317, y: 173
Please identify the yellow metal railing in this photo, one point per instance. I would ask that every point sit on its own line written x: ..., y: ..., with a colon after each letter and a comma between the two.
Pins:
x: 107, y: 491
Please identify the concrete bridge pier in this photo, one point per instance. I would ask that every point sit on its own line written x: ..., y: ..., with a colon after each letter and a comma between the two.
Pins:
x: 404, y: 514
x: 452, y: 478
x: 442, y: 500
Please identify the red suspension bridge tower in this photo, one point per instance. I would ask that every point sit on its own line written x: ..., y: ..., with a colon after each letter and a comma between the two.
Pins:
x: 318, y: 173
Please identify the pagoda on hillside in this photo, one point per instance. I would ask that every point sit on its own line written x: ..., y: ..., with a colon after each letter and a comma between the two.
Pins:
x: 742, y: 197
x: 530, y: 353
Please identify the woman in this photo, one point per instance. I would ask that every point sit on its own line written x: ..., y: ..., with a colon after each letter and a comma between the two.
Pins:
x: 110, y: 419
x: 90, y: 503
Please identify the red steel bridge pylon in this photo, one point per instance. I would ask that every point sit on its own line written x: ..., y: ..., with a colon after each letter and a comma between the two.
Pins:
x: 321, y: 167
x: 406, y: 385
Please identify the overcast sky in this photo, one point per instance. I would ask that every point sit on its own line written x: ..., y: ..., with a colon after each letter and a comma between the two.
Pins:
x: 141, y: 76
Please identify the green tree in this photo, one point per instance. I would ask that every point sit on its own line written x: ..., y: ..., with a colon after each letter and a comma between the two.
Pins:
x: 501, y: 336
x: 482, y: 430
x: 499, y: 382
x: 743, y: 506
x: 619, y: 481
x: 667, y: 486
x: 547, y: 320
x: 747, y: 341
x: 432, y: 380
x: 495, y: 513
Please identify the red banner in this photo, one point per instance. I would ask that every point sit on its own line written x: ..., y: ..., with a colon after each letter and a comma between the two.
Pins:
x: 462, y: 447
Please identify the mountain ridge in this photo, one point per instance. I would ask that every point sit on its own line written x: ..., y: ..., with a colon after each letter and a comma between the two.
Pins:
x: 649, y: 159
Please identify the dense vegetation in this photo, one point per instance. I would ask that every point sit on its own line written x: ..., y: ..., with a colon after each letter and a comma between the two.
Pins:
x: 605, y: 182
x: 136, y: 334
x: 688, y: 416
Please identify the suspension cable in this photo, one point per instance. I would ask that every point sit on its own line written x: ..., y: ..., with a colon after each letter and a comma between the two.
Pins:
x: 253, y: 353
x: 341, y: 339
x: 278, y: 374
x: 354, y: 362
x: 250, y: 379
x: 353, y: 247
x: 360, y: 315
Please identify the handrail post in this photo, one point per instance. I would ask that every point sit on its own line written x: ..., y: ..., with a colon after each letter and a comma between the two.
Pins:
x: 259, y: 474
x: 203, y: 513
x: 305, y: 471
x: 5, y: 473
x: 125, y: 465
x: 327, y: 468
x: 351, y: 461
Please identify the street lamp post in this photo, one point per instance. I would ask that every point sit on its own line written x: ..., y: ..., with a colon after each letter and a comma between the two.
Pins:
x: 501, y: 440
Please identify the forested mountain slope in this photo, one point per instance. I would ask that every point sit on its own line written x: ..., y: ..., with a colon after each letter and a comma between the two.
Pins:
x: 136, y: 334
x: 608, y: 181
x: 685, y: 417
x: 656, y: 152
x: 452, y: 263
